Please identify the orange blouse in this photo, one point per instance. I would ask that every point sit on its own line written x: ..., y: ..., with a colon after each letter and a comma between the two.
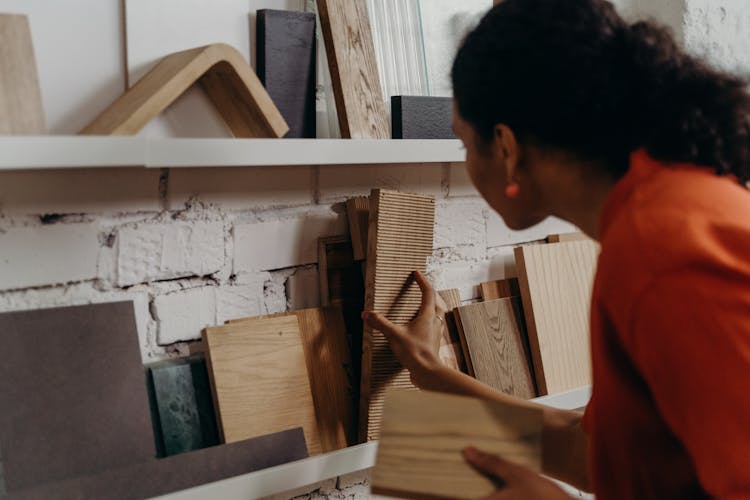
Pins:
x: 670, y: 323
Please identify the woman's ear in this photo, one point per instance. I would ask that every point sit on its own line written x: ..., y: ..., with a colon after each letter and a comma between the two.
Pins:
x: 507, y: 149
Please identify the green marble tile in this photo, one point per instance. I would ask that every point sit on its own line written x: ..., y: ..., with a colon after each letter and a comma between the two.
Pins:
x: 182, y: 404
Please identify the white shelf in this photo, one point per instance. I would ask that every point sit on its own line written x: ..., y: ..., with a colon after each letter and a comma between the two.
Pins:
x: 313, y: 470
x: 48, y: 152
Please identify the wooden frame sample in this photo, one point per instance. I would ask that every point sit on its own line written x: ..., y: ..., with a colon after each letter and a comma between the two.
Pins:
x: 496, y: 346
x: 400, y: 240
x: 556, y: 281
x: 354, y: 69
x: 226, y: 78
x: 423, y: 434
x: 451, y: 353
x: 329, y: 369
x: 259, y: 379
x: 500, y: 289
x: 358, y: 213
x: 21, y: 111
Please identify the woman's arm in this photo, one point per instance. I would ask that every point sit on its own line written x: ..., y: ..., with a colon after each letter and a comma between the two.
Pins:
x: 416, y: 347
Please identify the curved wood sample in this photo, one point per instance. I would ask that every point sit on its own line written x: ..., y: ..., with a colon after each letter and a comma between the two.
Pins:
x: 223, y: 74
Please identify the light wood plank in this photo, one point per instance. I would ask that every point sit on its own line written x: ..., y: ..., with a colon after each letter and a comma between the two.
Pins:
x: 556, y: 281
x: 500, y: 289
x: 21, y: 111
x: 358, y: 213
x: 424, y: 433
x: 329, y: 369
x: 354, y: 71
x: 497, y: 345
x: 226, y: 78
x: 400, y: 240
x: 259, y: 379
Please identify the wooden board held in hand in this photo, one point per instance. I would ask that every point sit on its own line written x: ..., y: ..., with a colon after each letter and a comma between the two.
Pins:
x: 424, y: 433
x: 400, y: 240
x: 329, y: 368
x: 21, y: 110
x: 496, y: 345
x: 556, y: 282
x: 259, y: 379
x: 354, y: 69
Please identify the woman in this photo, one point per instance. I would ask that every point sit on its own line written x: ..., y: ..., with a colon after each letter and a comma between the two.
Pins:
x: 566, y: 110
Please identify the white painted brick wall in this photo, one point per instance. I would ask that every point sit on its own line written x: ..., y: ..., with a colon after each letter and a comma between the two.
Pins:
x: 48, y: 255
x: 195, y: 247
x: 159, y: 251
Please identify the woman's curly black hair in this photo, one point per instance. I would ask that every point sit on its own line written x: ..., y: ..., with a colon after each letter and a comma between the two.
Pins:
x: 574, y: 75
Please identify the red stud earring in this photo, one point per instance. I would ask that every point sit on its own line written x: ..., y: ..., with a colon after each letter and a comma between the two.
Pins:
x: 512, y: 190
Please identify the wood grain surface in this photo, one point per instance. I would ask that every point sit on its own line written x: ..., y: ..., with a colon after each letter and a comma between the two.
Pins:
x: 354, y: 70
x: 330, y: 371
x: 358, y: 213
x: 423, y: 434
x: 400, y: 240
x: 451, y: 353
x: 259, y: 379
x: 565, y: 237
x: 21, y: 111
x: 500, y: 289
x: 556, y: 281
x: 497, y: 346
x: 226, y: 78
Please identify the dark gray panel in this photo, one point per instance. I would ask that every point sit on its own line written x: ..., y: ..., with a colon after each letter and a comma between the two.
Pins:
x: 416, y: 117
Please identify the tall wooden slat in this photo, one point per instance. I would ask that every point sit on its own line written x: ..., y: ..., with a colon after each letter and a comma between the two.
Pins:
x: 400, y: 240
x: 556, y: 282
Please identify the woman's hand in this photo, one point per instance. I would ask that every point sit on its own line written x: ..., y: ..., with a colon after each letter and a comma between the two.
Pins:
x: 517, y: 482
x: 417, y: 343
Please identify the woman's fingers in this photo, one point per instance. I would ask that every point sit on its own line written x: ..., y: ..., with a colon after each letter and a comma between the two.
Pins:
x: 428, y: 294
x: 379, y: 322
x: 492, y: 465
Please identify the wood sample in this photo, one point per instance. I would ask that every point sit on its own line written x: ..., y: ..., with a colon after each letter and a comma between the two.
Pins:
x: 556, y: 281
x: 340, y: 277
x: 286, y: 66
x: 358, y: 213
x: 564, y: 237
x: 400, y: 240
x: 421, y: 117
x: 354, y: 70
x: 329, y: 369
x: 182, y: 409
x: 500, y: 289
x: 259, y: 379
x: 424, y: 433
x: 21, y: 111
x: 451, y: 353
x: 157, y: 477
x: 223, y: 74
x: 57, y: 422
x: 496, y: 345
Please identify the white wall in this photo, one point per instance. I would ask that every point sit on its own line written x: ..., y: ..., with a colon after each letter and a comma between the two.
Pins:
x: 195, y: 247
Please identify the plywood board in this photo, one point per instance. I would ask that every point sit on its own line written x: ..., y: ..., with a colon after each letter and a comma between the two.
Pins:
x: 451, y: 353
x: 286, y: 66
x: 556, y: 282
x: 500, y: 289
x: 354, y: 71
x: 228, y: 81
x: 358, y: 213
x: 400, y: 240
x: 72, y: 393
x: 167, y: 475
x: 563, y: 237
x: 497, y: 347
x: 259, y: 379
x: 329, y: 368
x: 21, y: 110
x: 424, y: 433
